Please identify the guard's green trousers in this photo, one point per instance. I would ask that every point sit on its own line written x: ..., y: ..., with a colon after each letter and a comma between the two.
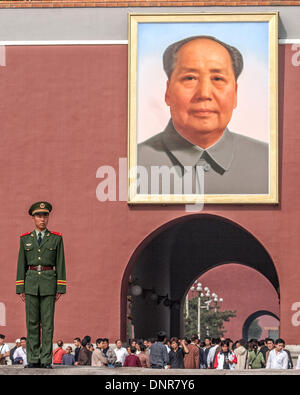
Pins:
x: 39, y: 318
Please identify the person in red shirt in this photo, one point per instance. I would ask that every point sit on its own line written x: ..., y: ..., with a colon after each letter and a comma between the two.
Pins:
x: 132, y: 360
x: 58, y: 353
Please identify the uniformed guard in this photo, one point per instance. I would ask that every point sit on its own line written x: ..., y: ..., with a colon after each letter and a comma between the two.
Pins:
x: 41, y: 280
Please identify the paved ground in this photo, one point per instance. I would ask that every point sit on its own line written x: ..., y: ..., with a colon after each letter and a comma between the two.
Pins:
x: 87, y: 370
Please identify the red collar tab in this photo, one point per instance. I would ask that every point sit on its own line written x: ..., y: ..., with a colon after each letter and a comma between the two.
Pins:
x: 56, y: 233
x: 25, y: 234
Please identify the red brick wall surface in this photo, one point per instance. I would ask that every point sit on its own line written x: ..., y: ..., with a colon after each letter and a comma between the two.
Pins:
x: 243, y: 290
x: 63, y: 112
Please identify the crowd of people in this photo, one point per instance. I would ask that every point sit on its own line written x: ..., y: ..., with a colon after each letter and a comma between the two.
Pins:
x: 163, y: 353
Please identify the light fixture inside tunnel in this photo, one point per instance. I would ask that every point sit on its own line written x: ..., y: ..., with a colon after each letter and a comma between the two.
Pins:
x: 136, y: 290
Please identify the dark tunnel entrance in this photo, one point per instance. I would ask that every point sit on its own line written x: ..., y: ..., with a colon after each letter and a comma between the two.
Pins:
x: 165, y: 265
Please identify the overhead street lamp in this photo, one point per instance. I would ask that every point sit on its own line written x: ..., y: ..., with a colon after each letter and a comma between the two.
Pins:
x: 204, y: 293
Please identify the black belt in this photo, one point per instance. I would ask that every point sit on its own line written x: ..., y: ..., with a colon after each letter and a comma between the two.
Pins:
x: 40, y: 268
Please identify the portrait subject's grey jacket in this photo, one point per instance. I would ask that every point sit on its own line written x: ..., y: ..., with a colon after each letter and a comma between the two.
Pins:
x: 235, y: 164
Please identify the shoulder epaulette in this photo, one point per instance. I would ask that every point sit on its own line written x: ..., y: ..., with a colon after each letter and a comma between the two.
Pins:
x: 55, y: 233
x: 25, y: 234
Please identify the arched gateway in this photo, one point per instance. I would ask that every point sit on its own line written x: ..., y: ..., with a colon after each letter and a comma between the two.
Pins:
x: 254, y: 316
x: 166, y: 263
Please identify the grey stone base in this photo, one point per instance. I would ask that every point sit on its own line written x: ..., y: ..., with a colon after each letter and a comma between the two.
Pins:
x: 88, y: 370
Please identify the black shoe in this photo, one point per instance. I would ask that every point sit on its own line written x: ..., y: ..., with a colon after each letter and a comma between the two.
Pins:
x: 46, y: 366
x: 32, y: 365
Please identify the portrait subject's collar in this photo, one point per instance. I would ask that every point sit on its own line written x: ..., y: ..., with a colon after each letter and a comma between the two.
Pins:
x: 187, y: 154
x: 184, y: 152
x: 222, y: 151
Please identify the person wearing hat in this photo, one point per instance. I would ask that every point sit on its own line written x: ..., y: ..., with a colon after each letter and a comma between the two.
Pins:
x: 41, y: 280
x: 11, y: 353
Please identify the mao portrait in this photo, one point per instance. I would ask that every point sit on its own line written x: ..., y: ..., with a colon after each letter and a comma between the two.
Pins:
x: 201, y: 94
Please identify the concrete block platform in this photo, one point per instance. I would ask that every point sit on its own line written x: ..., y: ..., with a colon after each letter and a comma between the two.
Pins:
x: 88, y: 370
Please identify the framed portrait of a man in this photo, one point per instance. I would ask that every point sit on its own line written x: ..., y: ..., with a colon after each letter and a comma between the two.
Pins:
x: 203, y: 108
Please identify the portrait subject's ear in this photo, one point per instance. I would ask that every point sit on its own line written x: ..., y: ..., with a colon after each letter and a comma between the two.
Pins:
x: 167, y: 93
x: 236, y: 90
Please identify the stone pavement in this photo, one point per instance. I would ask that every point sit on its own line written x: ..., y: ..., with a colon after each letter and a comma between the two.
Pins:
x: 88, y: 370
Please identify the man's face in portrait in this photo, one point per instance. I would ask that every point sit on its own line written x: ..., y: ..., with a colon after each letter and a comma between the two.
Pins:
x: 202, y: 90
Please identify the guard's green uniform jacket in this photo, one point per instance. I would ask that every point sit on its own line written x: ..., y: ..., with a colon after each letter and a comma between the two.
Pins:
x: 49, y: 253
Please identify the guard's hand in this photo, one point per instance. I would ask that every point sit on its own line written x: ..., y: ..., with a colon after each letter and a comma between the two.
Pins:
x: 22, y: 296
x: 57, y: 297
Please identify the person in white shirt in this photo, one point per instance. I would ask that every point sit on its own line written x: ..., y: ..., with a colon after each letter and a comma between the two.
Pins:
x: 212, y: 351
x: 20, y: 355
x: 298, y: 362
x: 167, y: 346
x: 121, y: 353
x: 278, y: 358
x: 4, y: 351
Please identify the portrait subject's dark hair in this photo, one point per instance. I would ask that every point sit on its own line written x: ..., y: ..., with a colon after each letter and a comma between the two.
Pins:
x: 170, y: 55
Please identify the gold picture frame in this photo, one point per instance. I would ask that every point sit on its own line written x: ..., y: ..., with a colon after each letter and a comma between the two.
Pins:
x: 150, y: 23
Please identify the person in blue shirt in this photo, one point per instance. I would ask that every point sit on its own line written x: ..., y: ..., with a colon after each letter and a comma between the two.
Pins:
x: 159, y: 357
x: 68, y: 358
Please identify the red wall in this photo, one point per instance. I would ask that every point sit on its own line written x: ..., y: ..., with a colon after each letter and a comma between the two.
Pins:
x: 244, y: 290
x: 63, y: 114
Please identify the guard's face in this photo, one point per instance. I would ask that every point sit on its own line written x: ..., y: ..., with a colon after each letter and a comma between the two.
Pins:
x: 41, y: 221
x: 202, y: 91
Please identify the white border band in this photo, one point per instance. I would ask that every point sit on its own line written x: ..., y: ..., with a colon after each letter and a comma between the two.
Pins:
x: 104, y: 42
